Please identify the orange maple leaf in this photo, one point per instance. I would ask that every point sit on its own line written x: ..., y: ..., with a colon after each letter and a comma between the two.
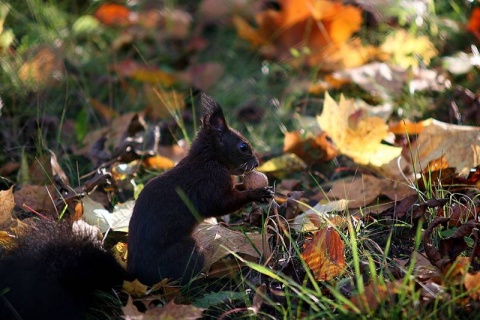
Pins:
x: 325, y: 254
x: 474, y: 21
x: 314, y: 24
x: 113, y: 14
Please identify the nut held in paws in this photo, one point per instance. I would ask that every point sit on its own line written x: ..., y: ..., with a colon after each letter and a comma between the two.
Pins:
x: 254, y: 180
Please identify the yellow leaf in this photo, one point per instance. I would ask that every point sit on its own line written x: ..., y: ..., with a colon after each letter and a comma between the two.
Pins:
x: 355, y: 134
x: 407, y: 50
x: 286, y: 163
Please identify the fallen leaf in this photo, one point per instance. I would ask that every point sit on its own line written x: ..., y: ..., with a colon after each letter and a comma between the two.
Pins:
x: 174, y: 311
x: 43, y: 69
x: 405, y: 127
x: 474, y: 21
x: 318, y: 216
x: 364, y: 190
x: 283, y: 164
x: 218, y: 241
x: 386, y: 81
x: 407, y: 50
x: 355, y: 134
x: 472, y: 284
x: 460, y: 145
x: 112, y: 14
x: 312, y: 150
x: 130, y: 311
x: 7, y: 203
x: 325, y: 254
x: 39, y: 198
x: 319, y: 25
x: 377, y: 294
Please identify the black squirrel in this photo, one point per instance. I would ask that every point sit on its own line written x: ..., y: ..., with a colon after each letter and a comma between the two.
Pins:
x: 160, y: 242
x: 54, y: 272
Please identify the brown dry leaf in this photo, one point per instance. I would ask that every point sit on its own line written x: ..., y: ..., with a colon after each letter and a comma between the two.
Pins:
x: 46, y: 167
x: 360, y: 192
x: 365, y: 189
x: 174, y: 311
x: 460, y: 145
x: 325, y: 254
x: 376, y: 294
x: 313, y: 150
x: 135, y: 288
x: 355, y: 134
x: 112, y: 14
x: 130, y: 311
x: 218, y: 241
x: 454, y: 273
x: 114, y: 135
x: 259, y: 298
x: 320, y: 215
x: 472, y: 284
x: 39, y: 198
x: 44, y: 68
x: 8, y: 168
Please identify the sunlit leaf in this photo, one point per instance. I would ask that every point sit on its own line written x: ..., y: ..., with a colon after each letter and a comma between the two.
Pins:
x: 112, y: 14
x: 325, y: 254
x: 355, y: 134
x: 474, y: 21
x: 407, y: 50
x: 311, y: 149
x: 288, y: 162
x: 315, y: 27
x: 458, y: 144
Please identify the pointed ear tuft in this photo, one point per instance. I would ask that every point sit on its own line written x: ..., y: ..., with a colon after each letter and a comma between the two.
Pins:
x: 213, y: 117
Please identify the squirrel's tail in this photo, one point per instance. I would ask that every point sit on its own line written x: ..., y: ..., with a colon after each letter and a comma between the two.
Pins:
x: 54, y: 272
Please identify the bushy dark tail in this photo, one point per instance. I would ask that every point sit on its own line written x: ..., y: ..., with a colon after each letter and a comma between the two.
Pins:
x: 56, y: 273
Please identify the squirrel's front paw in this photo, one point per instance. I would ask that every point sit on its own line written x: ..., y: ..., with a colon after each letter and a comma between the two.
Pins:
x: 263, y: 194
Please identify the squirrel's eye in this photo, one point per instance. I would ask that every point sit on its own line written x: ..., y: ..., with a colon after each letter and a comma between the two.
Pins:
x: 243, y: 147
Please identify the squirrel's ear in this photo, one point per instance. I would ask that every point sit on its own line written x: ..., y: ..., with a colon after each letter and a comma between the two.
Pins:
x: 213, y: 117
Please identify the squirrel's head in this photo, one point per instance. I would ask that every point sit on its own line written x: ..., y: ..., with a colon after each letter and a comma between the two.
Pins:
x: 230, y: 147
